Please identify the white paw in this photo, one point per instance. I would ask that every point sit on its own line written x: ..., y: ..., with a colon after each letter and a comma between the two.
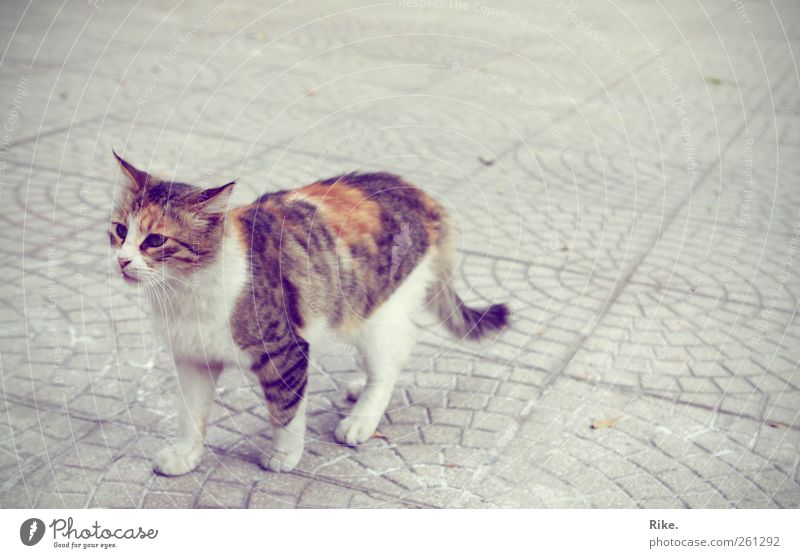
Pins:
x: 177, y: 460
x: 282, y: 462
x: 356, y: 429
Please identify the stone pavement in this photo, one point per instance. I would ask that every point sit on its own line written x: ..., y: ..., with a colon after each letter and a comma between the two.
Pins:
x: 625, y: 174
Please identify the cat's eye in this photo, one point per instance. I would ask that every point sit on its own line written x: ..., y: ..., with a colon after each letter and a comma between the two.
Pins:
x: 154, y: 241
x: 122, y: 230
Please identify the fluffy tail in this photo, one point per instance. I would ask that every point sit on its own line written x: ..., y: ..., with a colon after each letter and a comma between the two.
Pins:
x: 459, y: 318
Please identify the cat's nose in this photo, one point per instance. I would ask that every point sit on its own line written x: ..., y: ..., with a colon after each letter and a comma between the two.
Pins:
x: 123, y: 262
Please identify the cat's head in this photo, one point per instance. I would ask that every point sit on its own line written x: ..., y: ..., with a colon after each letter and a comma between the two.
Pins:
x: 162, y: 229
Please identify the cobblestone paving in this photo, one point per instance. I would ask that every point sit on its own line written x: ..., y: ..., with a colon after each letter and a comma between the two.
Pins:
x: 625, y: 174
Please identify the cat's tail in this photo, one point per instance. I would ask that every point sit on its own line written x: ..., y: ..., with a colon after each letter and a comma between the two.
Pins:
x: 460, y: 319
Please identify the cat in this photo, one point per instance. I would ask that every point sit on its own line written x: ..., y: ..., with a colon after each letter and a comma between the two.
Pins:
x: 357, y: 255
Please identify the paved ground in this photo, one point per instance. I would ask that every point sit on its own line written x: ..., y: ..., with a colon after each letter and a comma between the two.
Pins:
x: 625, y: 175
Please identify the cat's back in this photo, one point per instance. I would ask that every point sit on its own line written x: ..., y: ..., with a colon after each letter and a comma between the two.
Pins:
x: 349, y: 240
x: 363, y: 212
x: 374, y: 208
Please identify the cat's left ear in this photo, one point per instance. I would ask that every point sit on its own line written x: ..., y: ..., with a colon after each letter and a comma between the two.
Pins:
x: 214, y: 200
x: 138, y: 179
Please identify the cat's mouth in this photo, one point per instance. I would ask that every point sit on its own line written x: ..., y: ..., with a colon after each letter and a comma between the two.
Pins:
x: 131, y: 280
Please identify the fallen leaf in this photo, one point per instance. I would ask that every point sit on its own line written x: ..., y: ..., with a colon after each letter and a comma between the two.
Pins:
x: 778, y: 425
x: 605, y: 423
x: 565, y: 248
x: 487, y: 162
x: 379, y: 435
x: 450, y: 466
x: 714, y: 80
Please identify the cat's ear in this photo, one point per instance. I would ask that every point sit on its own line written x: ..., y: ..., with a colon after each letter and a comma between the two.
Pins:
x: 214, y: 200
x: 138, y: 179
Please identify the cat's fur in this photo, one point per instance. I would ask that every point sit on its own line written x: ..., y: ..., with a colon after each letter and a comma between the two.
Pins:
x: 356, y: 255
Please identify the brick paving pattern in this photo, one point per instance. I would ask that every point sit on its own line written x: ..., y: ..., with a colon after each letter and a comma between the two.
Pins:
x: 625, y: 174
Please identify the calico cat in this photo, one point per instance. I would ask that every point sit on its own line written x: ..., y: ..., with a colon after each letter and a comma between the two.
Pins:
x: 356, y: 255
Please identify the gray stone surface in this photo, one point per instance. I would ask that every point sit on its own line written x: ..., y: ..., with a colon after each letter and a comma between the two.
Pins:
x: 625, y: 175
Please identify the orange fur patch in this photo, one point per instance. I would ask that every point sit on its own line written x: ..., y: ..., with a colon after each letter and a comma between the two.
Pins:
x: 433, y: 226
x: 351, y: 215
x: 233, y: 220
x: 151, y: 219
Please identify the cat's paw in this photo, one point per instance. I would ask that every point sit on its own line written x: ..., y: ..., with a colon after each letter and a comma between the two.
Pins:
x: 281, y: 462
x: 356, y: 429
x: 177, y: 460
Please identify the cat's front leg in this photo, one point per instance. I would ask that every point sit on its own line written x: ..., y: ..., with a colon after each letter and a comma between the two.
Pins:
x: 287, y: 443
x: 194, y: 398
x: 283, y: 374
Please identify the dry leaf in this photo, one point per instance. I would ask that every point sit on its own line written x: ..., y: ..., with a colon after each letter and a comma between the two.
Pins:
x: 605, y: 423
x: 778, y: 425
x: 379, y: 435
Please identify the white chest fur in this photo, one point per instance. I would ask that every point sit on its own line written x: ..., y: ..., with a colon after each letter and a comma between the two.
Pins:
x: 193, y: 315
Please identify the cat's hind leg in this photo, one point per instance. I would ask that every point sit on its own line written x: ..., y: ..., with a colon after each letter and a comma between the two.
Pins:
x: 355, y: 387
x: 385, y: 340
x: 386, y: 351
x: 195, y: 395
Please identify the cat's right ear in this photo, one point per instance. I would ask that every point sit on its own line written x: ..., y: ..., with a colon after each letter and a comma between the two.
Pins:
x: 137, y: 179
